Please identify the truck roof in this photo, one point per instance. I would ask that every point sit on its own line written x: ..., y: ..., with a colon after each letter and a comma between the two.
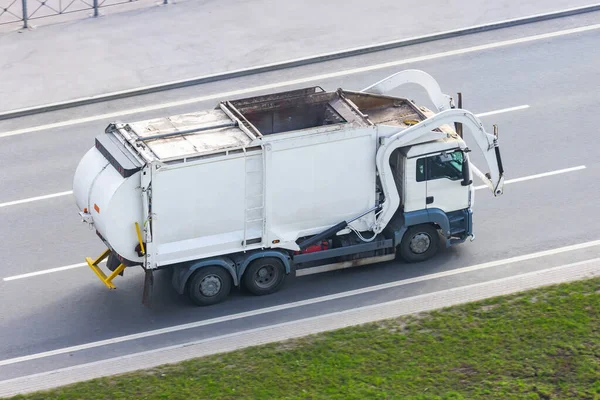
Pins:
x: 238, y: 124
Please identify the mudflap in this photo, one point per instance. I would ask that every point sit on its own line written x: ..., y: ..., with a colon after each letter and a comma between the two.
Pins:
x: 148, y: 287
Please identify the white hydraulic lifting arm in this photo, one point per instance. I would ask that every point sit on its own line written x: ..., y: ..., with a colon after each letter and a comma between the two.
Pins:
x: 424, y: 132
x: 442, y: 101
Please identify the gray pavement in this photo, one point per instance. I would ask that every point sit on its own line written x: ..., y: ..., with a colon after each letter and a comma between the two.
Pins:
x: 154, y: 44
x: 72, y: 307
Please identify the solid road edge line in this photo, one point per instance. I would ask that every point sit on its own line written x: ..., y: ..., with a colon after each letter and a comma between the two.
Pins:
x: 298, y: 62
x: 301, y: 328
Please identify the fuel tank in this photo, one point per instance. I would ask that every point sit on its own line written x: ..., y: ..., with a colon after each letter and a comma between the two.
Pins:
x: 114, y: 202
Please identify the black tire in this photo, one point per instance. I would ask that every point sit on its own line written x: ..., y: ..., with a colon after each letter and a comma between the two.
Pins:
x: 264, y: 276
x: 209, y: 285
x: 419, y: 243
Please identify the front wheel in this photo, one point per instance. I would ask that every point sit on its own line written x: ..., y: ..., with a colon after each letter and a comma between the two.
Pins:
x: 419, y: 243
x: 209, y: 285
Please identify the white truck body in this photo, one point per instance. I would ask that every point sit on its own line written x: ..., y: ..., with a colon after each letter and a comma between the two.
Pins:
x: 291, y: 185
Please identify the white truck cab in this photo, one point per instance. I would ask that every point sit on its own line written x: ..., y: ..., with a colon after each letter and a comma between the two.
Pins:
x: 434, y: 177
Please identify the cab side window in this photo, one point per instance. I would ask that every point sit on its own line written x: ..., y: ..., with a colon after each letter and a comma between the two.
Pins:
x: 440, y: 166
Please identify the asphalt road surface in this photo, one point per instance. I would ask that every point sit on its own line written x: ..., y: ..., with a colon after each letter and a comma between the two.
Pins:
x: 555, y: 77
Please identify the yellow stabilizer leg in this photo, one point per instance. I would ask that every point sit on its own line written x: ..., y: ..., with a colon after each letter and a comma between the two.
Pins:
x: 93, y: 264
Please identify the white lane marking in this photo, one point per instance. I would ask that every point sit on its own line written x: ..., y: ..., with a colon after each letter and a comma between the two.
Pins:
x: 49, y: 196
x: 537, y: 176
x: 47, y: 271
x: 525, y: 178
x: 37, y: 198
x: 302, y: 80
x: 301, y: 303
x: 504, y: 110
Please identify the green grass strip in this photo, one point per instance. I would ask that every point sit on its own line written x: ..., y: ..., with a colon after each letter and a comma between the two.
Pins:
x: 540, y: 344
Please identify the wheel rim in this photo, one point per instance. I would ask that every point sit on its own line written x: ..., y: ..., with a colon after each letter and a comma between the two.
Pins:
x: 210, y: 286
x: 265, y: 276
x: 420, y: 243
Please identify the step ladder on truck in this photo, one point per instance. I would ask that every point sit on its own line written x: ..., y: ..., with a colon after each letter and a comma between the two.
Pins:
x: 259, y: 188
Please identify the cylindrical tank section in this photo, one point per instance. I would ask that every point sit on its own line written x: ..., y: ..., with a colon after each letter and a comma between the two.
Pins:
x: 114, y: 202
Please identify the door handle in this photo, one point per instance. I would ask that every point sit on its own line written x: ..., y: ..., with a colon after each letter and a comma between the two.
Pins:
x: 429, y: 199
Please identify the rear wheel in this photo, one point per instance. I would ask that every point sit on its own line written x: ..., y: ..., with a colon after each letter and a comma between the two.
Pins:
x: 264, y: 276
x: 209, y: 285
x: 420, y: 243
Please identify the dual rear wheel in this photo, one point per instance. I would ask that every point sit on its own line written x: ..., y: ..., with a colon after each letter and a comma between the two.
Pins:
x: 211, y: 285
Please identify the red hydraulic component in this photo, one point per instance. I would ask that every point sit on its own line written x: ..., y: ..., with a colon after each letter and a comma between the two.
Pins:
x: 324, y: 245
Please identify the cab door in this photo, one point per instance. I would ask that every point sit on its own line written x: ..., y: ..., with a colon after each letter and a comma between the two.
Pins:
x: 444, y: 176
x: 415, y: 185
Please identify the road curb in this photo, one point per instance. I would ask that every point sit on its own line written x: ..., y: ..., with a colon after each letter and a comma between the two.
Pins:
x: 296, y: 62
x: 301, y: 328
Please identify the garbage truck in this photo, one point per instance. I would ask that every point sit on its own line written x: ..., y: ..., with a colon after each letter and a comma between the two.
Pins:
x: 306, y: 180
